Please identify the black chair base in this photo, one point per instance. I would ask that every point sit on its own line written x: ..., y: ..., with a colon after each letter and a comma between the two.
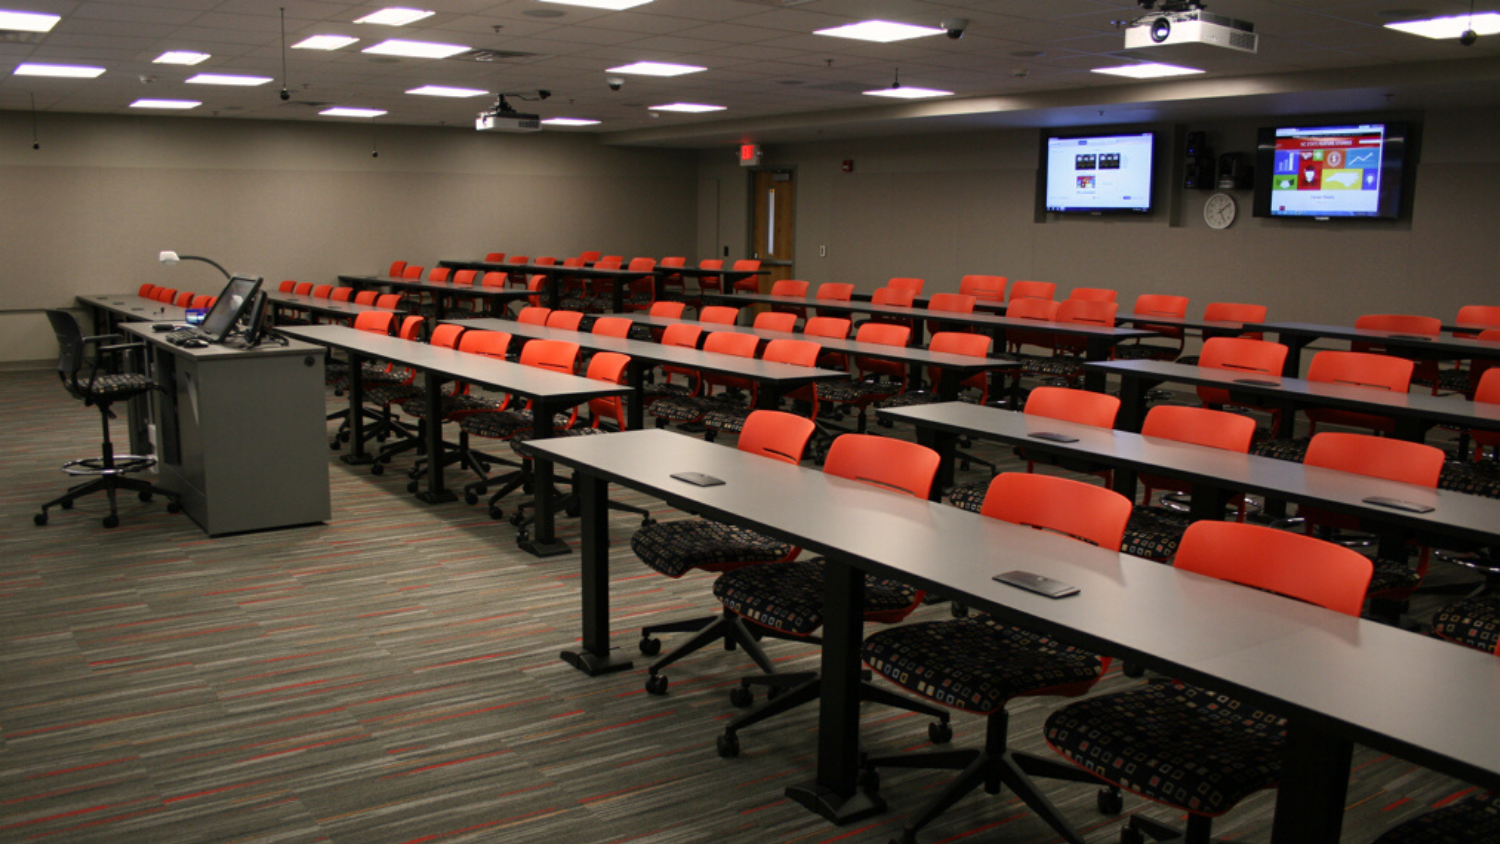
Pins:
x: 727, y: 626
x: 110, y: 484
x: 789, y: 691
x: 1138, y: 830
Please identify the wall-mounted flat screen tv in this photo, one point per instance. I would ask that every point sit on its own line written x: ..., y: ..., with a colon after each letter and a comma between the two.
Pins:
x: 1349, y: 170
x: 1098, y: 174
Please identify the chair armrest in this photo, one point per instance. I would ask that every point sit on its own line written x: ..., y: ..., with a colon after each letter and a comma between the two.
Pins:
x: 98, y: 338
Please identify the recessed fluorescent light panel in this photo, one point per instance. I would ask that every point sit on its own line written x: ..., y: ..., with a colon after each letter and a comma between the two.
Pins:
x: 341, y: 111
x: 227, y: 79
x: 881, y: 32
x: 607, y: 5
x: 415, y: 49
x: 395, y: 16
x: 180, y: 57
x: 686, y: 108
x: 569, y: 121
x: 324, y: 42
x: 1147, y: 70
x: 68, y: 71
x: 908, y: 92
x: 657, y: 69
x: 27, y: 21
x: 1485, y: 23
x: 172, y: 104
x: 444, y: 91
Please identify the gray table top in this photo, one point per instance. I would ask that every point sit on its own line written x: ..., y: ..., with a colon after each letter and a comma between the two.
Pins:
x: 1445, y: 410
x: 1211, y: 326
x: 134, y: 307
x: 1390, y: 339
x: 1365, y: 681
x: 766, y: 372
x: 441, y: 287
x: 232, y: 348
x: 1455, y: 514
x: 472, y: 368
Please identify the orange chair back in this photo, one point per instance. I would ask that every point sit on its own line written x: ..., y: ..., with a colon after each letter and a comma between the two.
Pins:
x: 1478, y: 315
x: 1361, y: 369
x: 1238, y: 354
x: 1029, y: 308
x: 1094, y: 294
x: 366, y: 297
x: 323, y: 291
x: 203, y: 300
x: 390, y: 301
x: 987, y: 288
x: 412, y: 272
x: 886, y: 334
x: 915, y: 285
x: 303, y: 288
x: 824, y: 326
x: 1081, y: 511
x: 341, y: 294
x: 795, y: 352
x: 411, y: 328
x: 397, y: 268
x: 439, y: 274
x: 609, y: 262
x: 1301, y: 567
x: 790, y: 287
x: 569, y: 320
x: 446, y: 335
x: 963, y: 343
x: 776, y: 434
x: 896, y: 296
x: 775, y: 321
x: 719, y: 315
x: 1161, y: 304
x: 147, y: 289
x: 494, y: 257
x: 491, y: 344
x: 1079, y: 406
x: 518, y: 259
x: 556, y: 355
x: 682, y: 334
x: 589, y: 256
x: 1032, y: 290
x: 533, y: 315
x: 835, y: 291
x: 958, y: 303
x: 1377, y: 457
x: 671, y: 310
x: 375, y: 322
x: 1200, y: 426
x: 464, y: 278
x: 672, y: 262
x: 184, y: 299
x: 1088, y: 312
x: 1401, y: 323
x: 891, y: 464
x: 751, y: 284
x: 608, y: 367
x: 1488, y: 392
x: 641, y: 265
x: 710, y: 282
x: 612, y: 326
x: 544, y: 261
x: 1237, y: 312
x: 731, y: 343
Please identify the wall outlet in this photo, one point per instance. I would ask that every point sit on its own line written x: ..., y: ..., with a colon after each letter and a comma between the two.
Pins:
x: 822, y: 251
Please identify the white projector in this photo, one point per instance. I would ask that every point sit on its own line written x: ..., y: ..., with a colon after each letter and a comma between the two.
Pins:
x: 1168, y: 29
x: 489, y: 121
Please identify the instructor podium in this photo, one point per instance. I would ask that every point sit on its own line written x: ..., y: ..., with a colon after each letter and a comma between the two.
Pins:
x: 241, y: 434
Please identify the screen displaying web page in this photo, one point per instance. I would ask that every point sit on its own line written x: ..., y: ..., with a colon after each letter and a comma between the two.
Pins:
x: 1106, y: 173
x: 1327, y: 171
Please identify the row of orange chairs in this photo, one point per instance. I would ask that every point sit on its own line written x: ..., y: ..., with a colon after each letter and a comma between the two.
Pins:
x: 180, y: 298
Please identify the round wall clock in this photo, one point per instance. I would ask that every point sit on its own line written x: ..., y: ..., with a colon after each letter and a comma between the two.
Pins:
x: 1219, y: 211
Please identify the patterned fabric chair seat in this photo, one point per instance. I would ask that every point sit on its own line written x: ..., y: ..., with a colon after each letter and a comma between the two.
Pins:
x: 1448, y: 381
x: 110, y: 388
x: 1145, y: 351
x: 449, y: 405
x: 789, y: 596
x: 1154, y: 532
x: 976, y: 664
x: 1294, y: 450
x: 653, y: 391
x: 1472, y: 478
x: 679, y: 408
x: 382, y: 394
x: 1393, y: 579
x: 728, y: 420
x: 1474, y: 622
x: 499, y: 425
x: 856, y: 391
x: 674, y: 548
x: 1472, y: 821
x: 1052, y: 366
x: 969, y: 496
x: 1173, y: 742
x: 370, y: 374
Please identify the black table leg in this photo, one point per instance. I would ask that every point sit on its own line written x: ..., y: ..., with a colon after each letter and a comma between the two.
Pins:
x: 1314, y: 783
x: 542, y: 540
x: 635, y: 403
x: 357, y: 455
x: 594, y: 657
x: 945, y: 443
x: 1294, y: 344
x: 1132, y: 403
x: 836, y: 794
x: 435, y: 493
x: 1095, y: 348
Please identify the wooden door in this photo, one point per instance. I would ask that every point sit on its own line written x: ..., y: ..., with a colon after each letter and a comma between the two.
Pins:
x: 775, y: 191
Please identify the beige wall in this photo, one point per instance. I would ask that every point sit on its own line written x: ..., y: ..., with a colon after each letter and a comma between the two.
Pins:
x: 89, y: 211
x: 939, y: 207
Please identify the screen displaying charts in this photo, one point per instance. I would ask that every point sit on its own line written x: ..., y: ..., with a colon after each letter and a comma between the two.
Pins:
x: 1331, y: 171
x: 1099, y: 173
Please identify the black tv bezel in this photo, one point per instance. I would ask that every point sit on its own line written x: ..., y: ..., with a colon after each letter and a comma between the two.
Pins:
x: 1396, y: 160
x: 256, y: 327
x: 1151, y: 199
x: 235, y: 314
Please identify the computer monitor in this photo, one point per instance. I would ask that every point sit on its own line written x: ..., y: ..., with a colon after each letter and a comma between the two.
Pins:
x: 236, y: 296
x: 255, y: 327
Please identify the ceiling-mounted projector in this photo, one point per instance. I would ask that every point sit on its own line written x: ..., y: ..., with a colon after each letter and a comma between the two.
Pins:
x: 1166, y: 29
x: 489, y: 121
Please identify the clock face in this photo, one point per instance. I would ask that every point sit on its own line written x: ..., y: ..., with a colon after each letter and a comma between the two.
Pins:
x: 1219, y: 211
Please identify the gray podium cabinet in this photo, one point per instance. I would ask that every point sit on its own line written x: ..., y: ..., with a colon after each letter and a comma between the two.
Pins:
x: 241, y: 434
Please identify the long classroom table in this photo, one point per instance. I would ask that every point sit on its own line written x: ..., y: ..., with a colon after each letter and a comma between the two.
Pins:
x: 442, y: 291
x: 554, y: 273
x: 1338, y: 680
x: 1297, y: 335
x: 318, y: 306
x: 550, y: 393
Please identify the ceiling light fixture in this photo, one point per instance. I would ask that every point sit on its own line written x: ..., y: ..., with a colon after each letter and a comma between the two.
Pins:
x: 27, y: 21
x: 66, y: 71
x: 1454, y: 26
x: 1147, y: 70
x: 656, y: 69
x: 881, y: 32
x: 569, y: 121
x: 606, y: 5
x: 686, y: 108
x: 415, y: 49
x: 445, y: 91
x: 227, y: 79
x: 180, y: 57
x: 343, y: 111
x: 324, y: 42
x: 907, y: 92
x: 395, y: 16
x: 169, y: 104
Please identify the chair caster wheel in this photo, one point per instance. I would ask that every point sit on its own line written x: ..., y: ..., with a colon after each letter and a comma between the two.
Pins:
x: 377, y: 468
x: 111, y: 521
x: 1109, y: 802
x: 572, y: 510
x: 66, y: 505
x: 471, y: 498
x: 496, y: 513
x: 773, y: 692
x: 333, y: 445
x: 1131, y: 835
x: 413, y: 487
x: 518, y: 518
x: 741, y: 697
x: 939, y: 732
x: 959, y: 610
x: 728, y: 745
x: 650, y: 646
x: 647, y: 521
x: 174, y: 507
x: 656, y: 684
x: 1133, y: 669
x: 40, y: 519
x: 145, y: 497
